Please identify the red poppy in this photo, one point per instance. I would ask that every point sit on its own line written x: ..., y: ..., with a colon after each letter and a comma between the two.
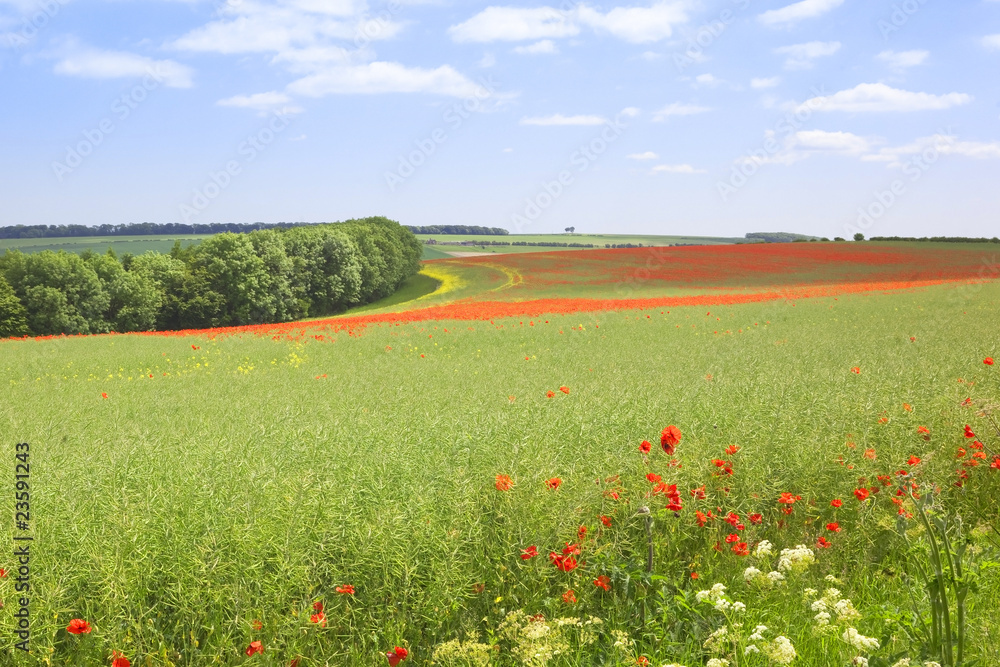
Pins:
x: 581, y: 532
x: 564, y: 390
x: 836, y: 502
x: 319, y: 619
x: 3, y: 573
x: 674, y: 505
x: 550, y: 394
x: 255, y: 647
x: 653, y: 477
x: 870, y: 454
x: 645, y: 447
x: 256, y: 625
x: 923, y: 430
x: 756, y: 518
x: 606, y: 521
x: 695, y: 575
x: 530, y: 552
x: 103, y: 395
x: 699, y: 493
x: 294, y: 662
x: 856, y: 370
x: 78, y: 626
x: 396, y: 656
x: 603, y: 581
x: 833, y: 527
x: 740, y: 549
x: 318, y: 605
x: 861, y: 494
x: 563, y: 563
x: 669, y: 438
x: 996, y: 463
x: 504, y: 482
x: 346, y: 589
x: 571, y: 550
x: 822, y: 543
x: 733, y: 519
x: 553, y: 483
x: 732, y: 537
x: 642, y: 661
x: 988, y: 361
x: 569, y: 597
x: 907, y: 407
x: 700, y: 518
x: 788, y: 499
x: 969, y: 433
x: 913, y: 460
x: 732, y: 449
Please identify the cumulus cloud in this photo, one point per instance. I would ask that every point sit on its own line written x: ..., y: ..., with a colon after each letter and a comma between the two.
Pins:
x: 648, y: 155
x: 678, y: 109
x: 676, y: 169
x: 559, y: 119
x: 801, y: 56
x: 385, y: 77
x: 944, y: 144
x: 791, y: 14
x: 262, y: 102
x: 759, y: 84
x: 98, y: 64
x: 900, y: 60
x: 878, y: 97
x: 545, y: 46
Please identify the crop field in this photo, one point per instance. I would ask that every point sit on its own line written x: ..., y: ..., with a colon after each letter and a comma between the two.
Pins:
x: 721, y: 456
x: 135, y: 245
x: 451, y: 242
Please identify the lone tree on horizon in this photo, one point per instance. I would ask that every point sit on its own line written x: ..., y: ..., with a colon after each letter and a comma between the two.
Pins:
x: 570, y: 229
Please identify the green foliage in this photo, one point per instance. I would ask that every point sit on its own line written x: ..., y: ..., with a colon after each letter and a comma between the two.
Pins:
x: 13, y: 316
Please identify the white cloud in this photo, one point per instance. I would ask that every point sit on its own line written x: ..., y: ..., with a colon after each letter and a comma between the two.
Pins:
x: 942, y: 143
x: 559, y: 119
x: 262, y: 102
x: 801, y: 56
x: 805, y: 143
x: 678, y: 109
x: 900, y: 60
x: 637, y: 25
x: 806, y: 9
x: 385, y: 77
x: 648, y: 155
x: 992, y: 42
x: 759, y: 84
x: 98, y: 64
x: 514, y: 24
x: 878, y: 97
x: 488, y: 60
x: 543, y: 47
x: 676, y: 169
x: 708, y: 80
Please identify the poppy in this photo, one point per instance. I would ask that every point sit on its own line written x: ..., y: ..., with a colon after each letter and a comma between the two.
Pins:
x: 606, y: 521
x: 3, y: 573
x: 530, y: 552
x: 553, y: 483
x: 346, y: 589
x: 861, y: 494
x: 550, y: 394
x: 603, y: 581
x: 256, y: 625
x: 103, y: 395
x: 669, y: 438
x: 732, y: 449
x: 969, y: 433
x: 870, y: 454
x: 988, y: 361
x: 700, y: 518
x: 569, y: 597
x: 740, y: 549
x: 856, y: 370
x: 788, y: 499
x: 581, y: 532
x: 695, y: 575
x: 119, y: 660
x: 294, y: 663
x: 78, y: 626
x: 699, y: 493
x: 255, y: 647
x: 645, y: 447
x: 833, y: 527
x: 996, y: 463
x: 674, y: 505
x: 396, y: 656
x: 836, y: 502
x: 319, y: 619
x: 913, y: 460
x: 907, y: 407
x: 653, y: 477
x: 923, y: 430
x: 732, y: 537
x: 563, y: 563
x: 564, y: 390
x: 756, y: 519
x: 822, y: 543
x: 504, y: 482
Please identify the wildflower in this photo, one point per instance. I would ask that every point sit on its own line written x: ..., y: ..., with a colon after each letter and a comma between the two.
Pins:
x: 606, y: 521
x: 913, y: 460
x: 603, y: 581
x: 823, y: 543
x: 645, y: 446
x: 756, y: 519
x: 907, y: 407
x: 763, y: 549
x: 717, y: 662
x: 255, y: 647
x: 969, y: 433
x: 923, y: 430
x: 256, y: 625
x: 3, y: 573
x: 859, y: 661
x: 569, y: 597
x: 653, y: 477
x: 103, y: 395
x: 396, y: 656
x: 796, y: 560
x: 530, y: 552
x: 788, y: 499
x: 698, y: 493
x: 836, y: 502
x: 581, y: 532
x: 732, y: 537
x: 741, y: 549
x: 669, y: 439
x: 781, y: 650
x: 319, y: 619
x: 988, y: 361
x: 861, y: 494
x: 856, y: 370
x: 78, y: 626
x: 119, y: 660
x: 346, y: 589
x: 550, y: 394
x: 833, y: 527
x: 564, y: 390
x: 732, y: 449
x: 504, y: 482
x: 700, y: 518
x: 870, y: 454
x: 563, y: 562
x: 859, y: 641
x: 695, y: 575
x: 553, y: 483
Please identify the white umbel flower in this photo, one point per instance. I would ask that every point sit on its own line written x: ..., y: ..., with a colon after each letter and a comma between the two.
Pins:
x: 717, y: 662
x: 860, y: 661
x: 858, y: 640
x: 763, y: 549
x: 796, y: 560
x: 781, y: 650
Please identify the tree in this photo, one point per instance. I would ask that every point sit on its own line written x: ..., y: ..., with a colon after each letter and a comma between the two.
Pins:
x: 13, y: 316
x: 859, y: 237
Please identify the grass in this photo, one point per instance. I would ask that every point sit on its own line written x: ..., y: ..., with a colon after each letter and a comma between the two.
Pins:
x: 251, y: 476
x: 448, y: 242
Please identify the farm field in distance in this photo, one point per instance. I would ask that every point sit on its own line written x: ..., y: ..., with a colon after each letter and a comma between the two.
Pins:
x: 135, y: 245
x: 656, y: 456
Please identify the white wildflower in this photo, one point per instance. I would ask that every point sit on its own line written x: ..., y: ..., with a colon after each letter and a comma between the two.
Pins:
x: 822, y: 618
x: 717, y: 662
x: 796, y: 560
x: 739, y: 607
x: 858, y: 640
x: 860, y: 661
x: 776, y: 578
x: 832, y: 579
x: 750, y: 574
x: 758, y: 633
x: 752, y: 648
x: 763, y: 549
x: 931, y: 663
x: 781, y: 650
x: 722, y: 604
x: 810, y: 593
x: 846, y: 611
x: 905, y: 662
x: 818, y: 605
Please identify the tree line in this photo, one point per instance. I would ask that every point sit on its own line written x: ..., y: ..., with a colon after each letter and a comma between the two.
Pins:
x: 458, y: 229
x: 269, y: 275
x: 139, y: 229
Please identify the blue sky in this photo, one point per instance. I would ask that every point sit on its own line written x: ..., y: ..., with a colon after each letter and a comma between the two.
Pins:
x: 717, y: 117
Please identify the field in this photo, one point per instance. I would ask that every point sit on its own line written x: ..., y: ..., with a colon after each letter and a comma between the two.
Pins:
x: 462, y: 475
x: 135, y: 245
x: 451, y: 242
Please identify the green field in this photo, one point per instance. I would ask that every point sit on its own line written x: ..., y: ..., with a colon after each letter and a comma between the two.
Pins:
x: 135, y: 245
x: 231, y: 480
x: 448, y: 242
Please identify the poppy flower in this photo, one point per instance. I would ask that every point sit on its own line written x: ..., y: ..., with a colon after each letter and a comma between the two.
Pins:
x: 606, y: 521
x: 504, y: 482
x: 645, y: 447
x: 756, y: 519
x: 861, y: 494
x: 674, y: 505
x: 699, y: 493
x: 569, y: 597
x: 103, y: 395
x: 669, y: 438
x: 530, y: 552
x: 788, y: 499
x: 255, y: 647
x: 740, y: 549
x: 78, y: 626
x: 581, y: 532
x: 996, y: 463
x: 319, y: 619
x: 564, y: 390
x: 695, y: 575
x: 732, y: 449
x: 603, y: 581
x: 256, y: 625
x: 907, y: 407
x: 653, y: 477
x: 913, y: 460
x: 988, y: 361
x: 836, y: 502
x: 823, y: 543
x: 294, y: 663
x: 870, y: 454
x: 642, y: 661
x: 3, y: 573
x: 563, y: 562
x: 553, y: 483
x: 550, y: 394
x: 856, y: 370
x: 969, y: 433
x: 833, y: 527
x: 732, y: 537
x: 346, y: 589
x: 700, y: 518
x: 119, y: 660
x: 396, y: 656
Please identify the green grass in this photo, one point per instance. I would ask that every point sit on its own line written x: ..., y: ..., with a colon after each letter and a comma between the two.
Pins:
x: 135, y: 245
x: 448, y: 242
x: 251, y: 476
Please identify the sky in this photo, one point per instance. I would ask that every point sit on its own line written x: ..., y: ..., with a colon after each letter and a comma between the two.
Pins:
x: 713, y: 117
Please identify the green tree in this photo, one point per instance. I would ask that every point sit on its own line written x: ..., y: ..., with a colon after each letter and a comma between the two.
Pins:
x: 13, y: 316
x: 859, y: 237
x: 133, y: 299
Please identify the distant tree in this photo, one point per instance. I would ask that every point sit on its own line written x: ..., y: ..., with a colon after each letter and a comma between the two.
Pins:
x: 839, y: 238
x: 859, y: 237
x: 13, y: 316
